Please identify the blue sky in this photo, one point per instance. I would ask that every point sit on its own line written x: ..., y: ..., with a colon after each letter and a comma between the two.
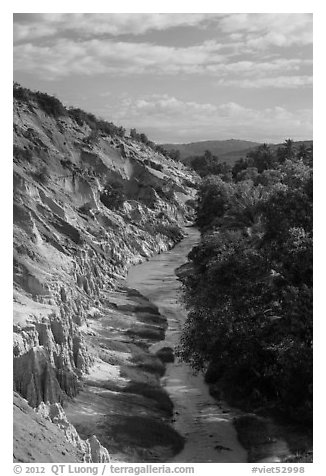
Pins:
x: 177, y: 77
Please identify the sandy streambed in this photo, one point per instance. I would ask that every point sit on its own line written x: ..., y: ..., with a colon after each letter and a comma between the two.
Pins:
x: 205, y: 423
x: 143, y: 410
x: 122, y: 400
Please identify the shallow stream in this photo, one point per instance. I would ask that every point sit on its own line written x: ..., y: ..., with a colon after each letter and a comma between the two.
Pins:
x: 210, y: 436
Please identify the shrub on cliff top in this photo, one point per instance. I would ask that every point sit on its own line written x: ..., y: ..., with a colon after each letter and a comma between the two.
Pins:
x: 53, y: 107
x: 96, y: 125
x: 49, y: 104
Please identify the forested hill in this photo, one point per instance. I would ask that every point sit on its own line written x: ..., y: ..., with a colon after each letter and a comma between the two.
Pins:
x: 249, y: 294
x: 228, y: 151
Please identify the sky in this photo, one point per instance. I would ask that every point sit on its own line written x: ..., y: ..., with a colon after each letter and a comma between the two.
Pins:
x: 178, y: 77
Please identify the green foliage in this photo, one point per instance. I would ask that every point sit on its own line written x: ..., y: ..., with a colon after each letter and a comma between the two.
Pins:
x: 269, y: 177
x: 53, y: 107
x: 82, y: 117
x: 265, y: 159
x: 174, y: 154
x: 261, y: 158
x: 141, y: 137
x: 111, y: 129
x: 249, y: 173
x: 171, y: 231
x: 159, y: 148
x: 20, y: 93
x: 96, y: 125
x: 289, y: 204
x: 213, y: 197
x: 239, y: 166
x: 286, y: 151
x: 250, y: 293
x: 49, y: 104
x: 208, y: 164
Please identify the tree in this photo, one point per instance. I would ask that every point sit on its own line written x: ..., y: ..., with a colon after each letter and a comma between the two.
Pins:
x: 286, y: 151
x: 289, y: 148
x: 250, y: 173
x: 262, y: 158
x: 213, y: 198
x: 239, y: 166
x: 175, y: 154
x: 208, y: 164
x: 244, y: 209
x: 249, y: 294
x: 305, y: 154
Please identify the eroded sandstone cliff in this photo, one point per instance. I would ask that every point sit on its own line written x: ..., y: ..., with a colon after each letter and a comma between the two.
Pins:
x: 86, y: 207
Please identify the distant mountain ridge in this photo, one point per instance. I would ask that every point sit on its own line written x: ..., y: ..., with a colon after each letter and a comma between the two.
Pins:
x: 228, y: 151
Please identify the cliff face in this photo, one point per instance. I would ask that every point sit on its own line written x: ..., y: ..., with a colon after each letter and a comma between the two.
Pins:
x: 86, y: 207
x: 46, y: 436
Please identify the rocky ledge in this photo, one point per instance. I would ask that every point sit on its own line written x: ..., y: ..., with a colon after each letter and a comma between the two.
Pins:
x: 46, y: 436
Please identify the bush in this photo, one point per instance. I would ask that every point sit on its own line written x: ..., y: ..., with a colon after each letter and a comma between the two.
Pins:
x: 96, y: 125
x: 53, y: 107
x: 22, y: 94
x: 82, y: 117
x: 49, y: 104
x: 142, y: 138
x: 173, y: 232
x: 250, y: 293
x: 213, y: 199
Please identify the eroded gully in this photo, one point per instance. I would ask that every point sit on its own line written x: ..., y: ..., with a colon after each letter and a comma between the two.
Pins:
x: 206, y: 424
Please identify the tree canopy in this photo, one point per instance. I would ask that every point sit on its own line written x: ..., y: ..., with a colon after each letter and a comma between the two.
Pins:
x: 249, y: 296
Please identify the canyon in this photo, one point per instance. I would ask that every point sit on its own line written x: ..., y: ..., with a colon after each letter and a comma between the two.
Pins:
x: 102, y: 230
x: 86, y: 208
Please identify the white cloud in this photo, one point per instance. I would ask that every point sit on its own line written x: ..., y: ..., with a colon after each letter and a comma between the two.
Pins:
x: 260, y: 29
x: 180, y: 119
x: 266, y: 29
x: 96, y: 56
x: 92, y: 24
x: 255, y: 69
x: 292, y: 82
x: 54, y: 46
x: 240, y: 51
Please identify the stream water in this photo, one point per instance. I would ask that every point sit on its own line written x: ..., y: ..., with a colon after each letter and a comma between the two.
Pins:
x: 210, y: 436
